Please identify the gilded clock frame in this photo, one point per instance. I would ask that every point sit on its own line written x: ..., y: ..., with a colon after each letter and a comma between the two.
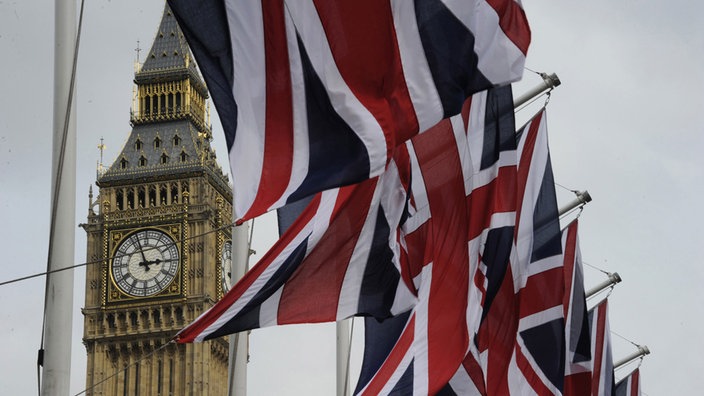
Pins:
x: 176, y: 289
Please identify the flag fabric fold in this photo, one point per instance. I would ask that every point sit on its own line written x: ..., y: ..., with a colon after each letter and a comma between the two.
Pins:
x: 316, y: 94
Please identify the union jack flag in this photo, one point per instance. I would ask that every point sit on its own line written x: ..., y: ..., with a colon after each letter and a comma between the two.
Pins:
x: 629, y: 386
x: 578, y: 360
x: 450, y: 226
x: 316, y: 94
x: 372, y: 249
x: 603, y: 364
x: 521, y: 339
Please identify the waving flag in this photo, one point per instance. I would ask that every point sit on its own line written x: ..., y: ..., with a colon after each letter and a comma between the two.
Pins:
x: 629, y: 386
x: 325, y: 265
x: 578, y: 361
x: 315, y: 94
x: 463, y: 204
x: 338, y: 259
x: 603, y: 370
x: 521, y: 340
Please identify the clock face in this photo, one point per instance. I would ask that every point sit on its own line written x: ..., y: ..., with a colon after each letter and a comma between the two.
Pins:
x: 226, y: 263
x: 145, y: 263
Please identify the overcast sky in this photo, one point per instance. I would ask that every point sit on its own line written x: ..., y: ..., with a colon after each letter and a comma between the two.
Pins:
x: 625, y: 125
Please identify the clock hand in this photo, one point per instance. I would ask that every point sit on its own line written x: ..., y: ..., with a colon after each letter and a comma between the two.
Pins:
x: 145, y: 264
x: 141, y: 250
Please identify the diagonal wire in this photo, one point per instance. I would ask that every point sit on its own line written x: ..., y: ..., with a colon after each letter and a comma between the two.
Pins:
x: 98, y: 261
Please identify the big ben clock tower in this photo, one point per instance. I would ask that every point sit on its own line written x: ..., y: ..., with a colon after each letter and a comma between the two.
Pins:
x: 158, y: 233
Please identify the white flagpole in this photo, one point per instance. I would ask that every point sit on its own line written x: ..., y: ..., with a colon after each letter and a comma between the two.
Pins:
x: 642, y: 351
x: 239, y: 343
x: 582, y: 199
x: 342, y: 328
x: 613, y: 278
x: 59, y: 294
x: 549, y: 82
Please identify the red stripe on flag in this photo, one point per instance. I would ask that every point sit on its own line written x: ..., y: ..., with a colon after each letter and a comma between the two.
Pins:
x: 543, y: 292
x: 578, y: 384
x: 532, y: 378
x: 278, y: 140
x: 568, y: 265
x: 363, y: 43
x: 599, y: 345
x: 394, y: 359
x: 498, y: 196
x: 447, y: 305
x: 524, y: 163
x: 513, y: 22
x: 497, y: 334
x: 474, y: 371
x: 189, y: 333
x: 635, y: 383
x: 327, y: 263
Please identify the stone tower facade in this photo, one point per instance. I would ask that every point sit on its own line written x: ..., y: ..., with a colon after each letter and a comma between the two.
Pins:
x: 158, y: 232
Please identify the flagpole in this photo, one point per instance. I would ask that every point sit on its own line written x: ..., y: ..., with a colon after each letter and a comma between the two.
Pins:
x: 641, y: 352
x: 239, y: 342
x: 549, y: 82
x: 343, y: 355
x: 582, y: 199
x: 58, y: 311
x: 613, y: 278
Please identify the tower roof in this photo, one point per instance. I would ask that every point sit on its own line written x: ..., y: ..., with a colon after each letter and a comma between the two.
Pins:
x: 170, y: 136
x: 170, y: 57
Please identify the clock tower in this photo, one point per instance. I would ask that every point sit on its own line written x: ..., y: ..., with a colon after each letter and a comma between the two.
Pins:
x: 158, y: 236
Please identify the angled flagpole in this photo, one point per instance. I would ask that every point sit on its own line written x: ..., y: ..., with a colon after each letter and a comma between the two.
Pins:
x: 55, y: 355
x: 613, y: 278
x: 550, y: 81
x: 641, y: 352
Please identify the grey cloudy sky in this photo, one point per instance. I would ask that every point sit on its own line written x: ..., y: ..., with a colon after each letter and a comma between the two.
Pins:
x: 625, y: 124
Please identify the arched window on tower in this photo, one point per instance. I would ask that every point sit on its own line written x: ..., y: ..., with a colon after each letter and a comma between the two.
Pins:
x: 177, y: 140
x: 140, y: 197
x: 138, y: 144
x: 155, y: 105
x: 123, y: 163
x: 174, y: 194
x: 164, y: 159
x: 178, y: 102
x: 119, y: 197
x: 130, y: 198
x: 157, y: 142
x: 184, y: 156
x: 171, y: 103
x: 162, y: 194
x: 142, y: 161
x: 152, y: 195
x: 147, y: 106
x: 162, y: 104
